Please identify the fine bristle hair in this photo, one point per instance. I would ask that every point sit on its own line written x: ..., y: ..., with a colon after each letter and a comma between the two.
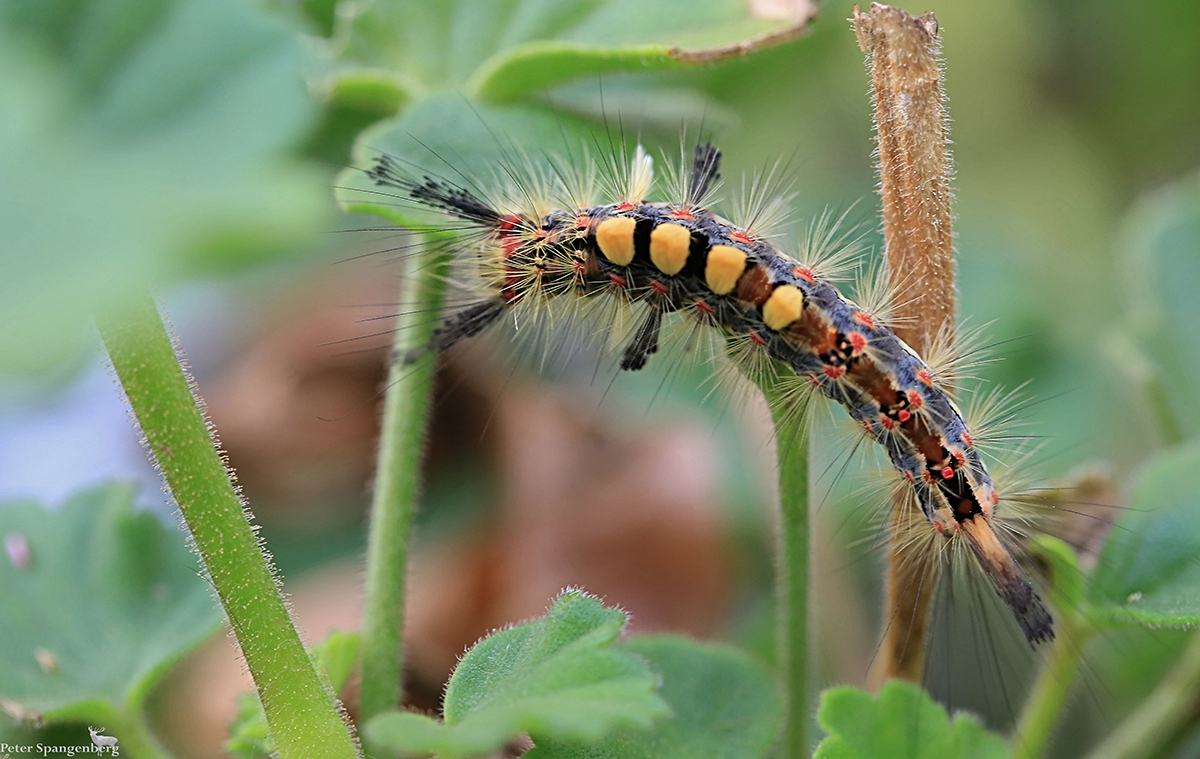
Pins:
x: 829, y: 248
x: 695, y: 179
x: 764, y: 204
x: 641, y: 176
x: 627, y: 178
x: 995, y: 416
x: 578, y: 179
x: 529, y: 187
x: 875, y: 293
x: 705, y: 176
x: 956, y: 351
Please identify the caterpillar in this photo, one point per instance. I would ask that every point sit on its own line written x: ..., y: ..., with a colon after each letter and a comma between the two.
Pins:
x: 682, y: 257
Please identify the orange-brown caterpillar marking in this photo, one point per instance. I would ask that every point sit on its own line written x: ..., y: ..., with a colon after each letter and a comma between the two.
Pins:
x: 754, y: 286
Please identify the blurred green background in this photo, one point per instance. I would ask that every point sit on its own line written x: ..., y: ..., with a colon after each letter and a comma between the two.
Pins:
x: 191, y: 145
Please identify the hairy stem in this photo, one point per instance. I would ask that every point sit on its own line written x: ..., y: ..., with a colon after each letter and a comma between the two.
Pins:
x: 1160, y: 716
x: 397, y: 469
x: 1050, y: 691
x: 301, y: 710
x: 914, y: 180
x: 792, y: 573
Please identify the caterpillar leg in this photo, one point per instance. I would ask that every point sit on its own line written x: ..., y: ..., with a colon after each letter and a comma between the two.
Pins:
x: 644, y: 343
x: 464, y: 324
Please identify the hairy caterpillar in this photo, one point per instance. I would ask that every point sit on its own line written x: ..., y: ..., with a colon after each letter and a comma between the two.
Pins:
x: 681, y: 257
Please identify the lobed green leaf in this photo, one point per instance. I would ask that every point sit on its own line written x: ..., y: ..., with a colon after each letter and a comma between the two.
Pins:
x: 902, y: 722
x: 556, y: 676
x: 723, y: 704
x: 102, y: 603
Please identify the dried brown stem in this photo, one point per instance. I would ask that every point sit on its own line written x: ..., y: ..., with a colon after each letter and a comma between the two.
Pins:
x: 914, y: 183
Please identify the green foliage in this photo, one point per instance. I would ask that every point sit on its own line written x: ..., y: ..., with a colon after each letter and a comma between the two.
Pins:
x: 723, y: 704
x: 249, y: 736
x: 1162, y: 236
x: 1149, y: 572
x: 556, y: 676
x: 479, y: 68
x: 142, y: 142
x: 902, y: 722
x: 506, y: 51
x: 107, y: 600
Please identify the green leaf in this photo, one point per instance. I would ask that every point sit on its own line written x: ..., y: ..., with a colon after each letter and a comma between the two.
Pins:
x: 556, y: 676
x: 902, y: 722
x: 723, y: 704
x: 1161, y: 240
x: 249, y: 735
x: 497, y: 51
x: 1149, y: 567
x: 337, y: 656
x: 103, y: 602
x: 142, y: 142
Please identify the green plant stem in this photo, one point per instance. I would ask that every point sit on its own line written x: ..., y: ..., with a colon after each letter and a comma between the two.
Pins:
x: 1161, y: 715
x: 301, y: 711
x: 397, y: 468
x: 1050, y: 691
x: 792, y: 573
x: 1160, y: 403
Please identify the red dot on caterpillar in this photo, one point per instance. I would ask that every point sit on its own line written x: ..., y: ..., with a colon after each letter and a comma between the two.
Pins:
x: 803, y: 272
x: 858, y: 342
